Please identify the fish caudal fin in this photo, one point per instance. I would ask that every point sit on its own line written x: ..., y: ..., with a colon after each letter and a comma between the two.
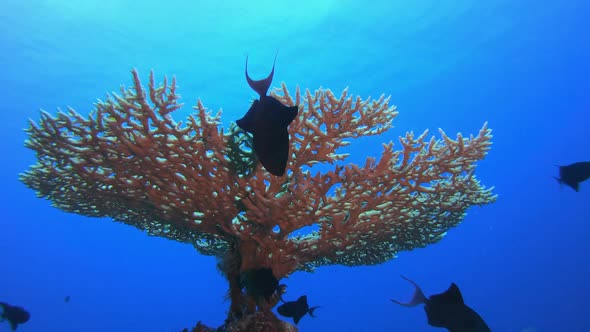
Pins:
x: 261, y: 86
x: 311, y: 311
x: 417, y: 298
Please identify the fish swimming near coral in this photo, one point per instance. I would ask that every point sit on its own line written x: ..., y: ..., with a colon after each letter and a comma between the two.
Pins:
x: 267, y: 120
x: 277, y: 296
x: 573, y: 174
x: 14, y: 315
x: 296, y: 309
x: 259, y: 282
x: 447, y: 310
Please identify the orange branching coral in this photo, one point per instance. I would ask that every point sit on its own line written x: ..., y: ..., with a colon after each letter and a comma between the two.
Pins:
x: 191, y: 182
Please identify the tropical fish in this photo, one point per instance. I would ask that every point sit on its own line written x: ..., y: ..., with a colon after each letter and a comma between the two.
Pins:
x: 14, y: 315
x: 267, y: 120
x: 259, y: 282
x: 573, y: 174
x: 277, y: 296
x: 447, y: 310
x: 296, y: 309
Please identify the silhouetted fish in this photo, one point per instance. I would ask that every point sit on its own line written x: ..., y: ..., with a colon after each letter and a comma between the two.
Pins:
x: 296, y: 309
x: 447, y: 310
x: 14, y: 315
x: 267, y: 120
x: 277, y: 296
x: 259, y: 282
x: 67, y: 299
x: 573, y: 174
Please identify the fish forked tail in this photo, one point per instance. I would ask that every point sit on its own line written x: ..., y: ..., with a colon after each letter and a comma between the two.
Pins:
x: 417, y: 298
x: 261, y: 86
x: 311, y: 310
x: 558, y: 179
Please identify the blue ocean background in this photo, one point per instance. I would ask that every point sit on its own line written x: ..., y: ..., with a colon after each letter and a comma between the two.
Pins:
x: 523, y: 66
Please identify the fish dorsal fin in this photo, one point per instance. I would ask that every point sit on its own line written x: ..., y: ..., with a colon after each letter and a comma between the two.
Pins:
x: 302, y: 300
x: 261, y: 86
x: 453, y: 295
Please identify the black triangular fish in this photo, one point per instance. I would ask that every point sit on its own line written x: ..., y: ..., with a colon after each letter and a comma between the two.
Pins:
x: 447, y: 310
x: 573, y: 174
x: 296, y: 309
x: 267, y: 120
x: 15, y: 315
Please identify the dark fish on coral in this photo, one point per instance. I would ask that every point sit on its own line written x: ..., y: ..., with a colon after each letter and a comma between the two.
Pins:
x: 277, y: 296
x: 447, y: 310
x: 267, y: 120
x: 573, y: 174
x: 296, y: 309
x: 14, y: 315
x: 259, y: 282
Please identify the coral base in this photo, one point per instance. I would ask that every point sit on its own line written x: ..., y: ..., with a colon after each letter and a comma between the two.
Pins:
x: 259, y: 322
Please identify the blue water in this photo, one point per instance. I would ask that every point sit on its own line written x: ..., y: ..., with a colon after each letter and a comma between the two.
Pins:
x: 523, y: 66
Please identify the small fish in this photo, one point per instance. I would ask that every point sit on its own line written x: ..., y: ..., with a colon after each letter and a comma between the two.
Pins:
x: 447, y: 310
x: 267, y: 120
x: 15, y: 315
x: 573, y: 174
x: 277, y: 296
x: 296, y: 309
x: 259, y: 282
x: 67, y: 299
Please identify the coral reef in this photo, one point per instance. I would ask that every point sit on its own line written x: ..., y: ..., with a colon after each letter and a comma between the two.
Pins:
x: 196, y: 183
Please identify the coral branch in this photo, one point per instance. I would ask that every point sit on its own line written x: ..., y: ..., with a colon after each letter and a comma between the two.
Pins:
x: 191, y: 182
